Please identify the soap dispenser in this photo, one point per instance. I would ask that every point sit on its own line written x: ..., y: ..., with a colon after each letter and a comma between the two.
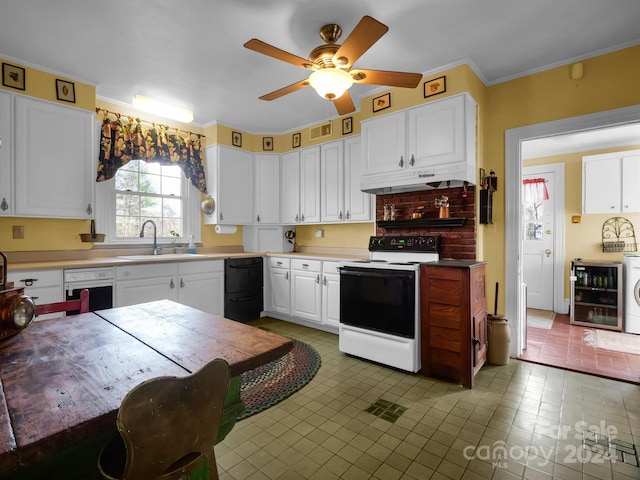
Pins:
x: 192, y: 246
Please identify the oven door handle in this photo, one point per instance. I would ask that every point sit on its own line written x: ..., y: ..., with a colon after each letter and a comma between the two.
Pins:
x: 366, y: 272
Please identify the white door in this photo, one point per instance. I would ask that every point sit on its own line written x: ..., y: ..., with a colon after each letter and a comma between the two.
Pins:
x: 537, y: 248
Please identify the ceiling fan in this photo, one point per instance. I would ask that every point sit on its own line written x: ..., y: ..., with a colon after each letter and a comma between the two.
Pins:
x: 331, y: 64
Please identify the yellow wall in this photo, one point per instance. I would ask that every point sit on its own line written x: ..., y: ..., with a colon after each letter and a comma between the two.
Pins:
x: 584, y: 239
x: 610, y: 81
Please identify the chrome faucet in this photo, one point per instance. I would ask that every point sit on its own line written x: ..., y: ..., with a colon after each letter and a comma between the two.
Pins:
x: 156, y: 250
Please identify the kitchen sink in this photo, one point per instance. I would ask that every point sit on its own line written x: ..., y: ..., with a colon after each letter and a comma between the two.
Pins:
x: 166, y: 256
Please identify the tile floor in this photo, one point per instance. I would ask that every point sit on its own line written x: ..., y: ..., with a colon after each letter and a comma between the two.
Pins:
x: 521, y: 420
x: 564, y: 346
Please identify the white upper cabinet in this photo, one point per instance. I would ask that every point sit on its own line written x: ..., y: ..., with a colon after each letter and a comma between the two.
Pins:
x: 435, y: 142
x: 341, y: 198
x: 230, y: 182
x: 6, y: 156
x: 610, y: 182
x: 301, y: 186
x: 267, y: 189
x: 54, y: 159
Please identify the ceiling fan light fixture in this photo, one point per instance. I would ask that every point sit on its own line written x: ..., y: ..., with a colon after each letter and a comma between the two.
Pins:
x: 330, y: 83
x: 162, y: 109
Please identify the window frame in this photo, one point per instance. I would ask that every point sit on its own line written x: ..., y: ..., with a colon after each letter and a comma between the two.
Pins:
x: 106, y: 217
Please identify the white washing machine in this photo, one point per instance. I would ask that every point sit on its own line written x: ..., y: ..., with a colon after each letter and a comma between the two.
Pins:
x: 631, y: 266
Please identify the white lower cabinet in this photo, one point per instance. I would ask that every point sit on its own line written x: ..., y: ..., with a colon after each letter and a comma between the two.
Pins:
x: 43, y: 286
x: 306, y: 289
x: 279, y: 286
x: 196, y: 284
x: 331, y: 293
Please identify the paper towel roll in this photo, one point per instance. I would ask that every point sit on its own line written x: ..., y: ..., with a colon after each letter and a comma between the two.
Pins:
x: 226, y: 229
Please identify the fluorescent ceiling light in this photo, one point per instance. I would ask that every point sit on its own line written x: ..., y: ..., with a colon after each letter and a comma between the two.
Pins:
x: 162, y: 109
x: 330, y: 82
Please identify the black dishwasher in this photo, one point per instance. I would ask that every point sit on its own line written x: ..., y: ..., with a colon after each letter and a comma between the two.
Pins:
x: 243, y: 284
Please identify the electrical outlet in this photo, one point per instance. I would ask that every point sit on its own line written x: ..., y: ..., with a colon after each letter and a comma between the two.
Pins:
x: 319, y: 233
x: 18, y: 232
x: 576, y: 219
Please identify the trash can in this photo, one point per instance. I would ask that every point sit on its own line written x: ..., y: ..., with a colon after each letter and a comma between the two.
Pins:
x: 499, y: 337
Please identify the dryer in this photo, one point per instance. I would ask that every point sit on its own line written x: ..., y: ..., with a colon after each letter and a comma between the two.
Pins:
x: 631, y: 265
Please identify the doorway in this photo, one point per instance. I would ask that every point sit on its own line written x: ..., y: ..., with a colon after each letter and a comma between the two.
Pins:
x: 514, y: 291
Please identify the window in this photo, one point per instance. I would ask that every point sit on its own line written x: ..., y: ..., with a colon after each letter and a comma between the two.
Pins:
x: 142, y: 191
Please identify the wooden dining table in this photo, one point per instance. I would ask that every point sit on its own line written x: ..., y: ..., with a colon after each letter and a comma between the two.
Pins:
x: 63, y: 379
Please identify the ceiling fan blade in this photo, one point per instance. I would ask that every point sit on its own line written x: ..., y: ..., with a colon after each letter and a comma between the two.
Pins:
x: 271, y: 51
x: 285, y: 90
x: 385, y: 77
x: 367, y: 32
x: 344, y: 104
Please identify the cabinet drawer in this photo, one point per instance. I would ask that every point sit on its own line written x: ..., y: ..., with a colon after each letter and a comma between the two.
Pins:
x: 145, y: 271
x: 36, y: 278
x: 330, y: 267
x: 279, y: 262
x: 207, y: 266
x: 306, y: 265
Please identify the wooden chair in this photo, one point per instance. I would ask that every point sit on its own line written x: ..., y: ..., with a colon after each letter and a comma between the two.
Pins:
x: 168, y: 427
x: 81, y: 304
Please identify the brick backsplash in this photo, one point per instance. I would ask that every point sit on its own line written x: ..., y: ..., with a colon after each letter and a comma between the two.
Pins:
x: 456, y: 242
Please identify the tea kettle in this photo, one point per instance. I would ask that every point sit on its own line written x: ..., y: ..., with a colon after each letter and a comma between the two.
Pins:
x: 16, y: 309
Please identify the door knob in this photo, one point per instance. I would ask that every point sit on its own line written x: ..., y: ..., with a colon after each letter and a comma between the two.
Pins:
x: 548, y: 252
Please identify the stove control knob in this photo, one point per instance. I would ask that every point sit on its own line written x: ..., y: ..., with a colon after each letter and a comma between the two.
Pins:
x: 422, y: 241
x: 409, y: 242
x: 393, y: 241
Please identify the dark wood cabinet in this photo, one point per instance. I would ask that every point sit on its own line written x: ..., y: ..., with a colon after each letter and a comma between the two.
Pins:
x: 453, y: 320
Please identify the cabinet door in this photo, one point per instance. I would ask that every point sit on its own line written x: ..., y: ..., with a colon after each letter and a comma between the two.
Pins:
x: 55, y: 161
x: 384, y: 144
x: 310, y: 185
x: 235, y: 186
x: 357, y: 204
x: 306, y: 294
x: 6, y: 155
x: 290, y: 188
x: 332, y: 182
x: 330, y: 294
x: 601, y: 185
x: 437, y: 133
x: 280, y: 286
x: 131, y: 292
x: 267, y: 195
x: 204, y: 291
x: 630, y: 177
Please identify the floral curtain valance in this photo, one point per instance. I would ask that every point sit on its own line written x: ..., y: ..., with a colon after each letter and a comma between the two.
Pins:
x: 534, y: 190
x: 121, y: 142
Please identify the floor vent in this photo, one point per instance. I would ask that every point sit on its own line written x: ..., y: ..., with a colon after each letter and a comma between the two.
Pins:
x: 320, y: 131
x: 386, y: 410
x: 611, y: 448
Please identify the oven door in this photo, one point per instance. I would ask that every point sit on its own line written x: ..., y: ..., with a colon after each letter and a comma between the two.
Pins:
x: 381, y: 300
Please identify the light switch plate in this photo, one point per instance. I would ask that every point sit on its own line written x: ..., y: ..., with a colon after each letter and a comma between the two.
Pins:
x: 18, y: 231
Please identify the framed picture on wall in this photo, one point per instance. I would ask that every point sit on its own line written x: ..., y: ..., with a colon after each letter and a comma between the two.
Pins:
x: 13, y: 76
x: 236, y: 139
x: 295, y: 140
x: 267, y: 143
x: 347, y: 125
x: 65, y: 91
x: 435, y: 86
x: 381, y: 102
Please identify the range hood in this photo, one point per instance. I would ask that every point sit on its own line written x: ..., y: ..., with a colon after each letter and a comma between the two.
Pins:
x: 450, y: 176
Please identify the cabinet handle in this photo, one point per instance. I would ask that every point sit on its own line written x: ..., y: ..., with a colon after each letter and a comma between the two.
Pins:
x: 324, y: 280
x: 4, y: 205
x: 318, y: 279
x: 302, y: 217
x: 181, y: 283
x: 258, y: 218
x: 305, y: 266
x: 278, y: 264
x: 172, y: 285
x: 476, y: 342
x: 29, y: 281
x: 401, y: 162
x: 348, y: 215
x: 297, y: 217
x: 286, y: 276
x: 34, y: 298
x: 89, y: 209
x: 412, y: 161
x: 221, y: 216
x: 340, y: 215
